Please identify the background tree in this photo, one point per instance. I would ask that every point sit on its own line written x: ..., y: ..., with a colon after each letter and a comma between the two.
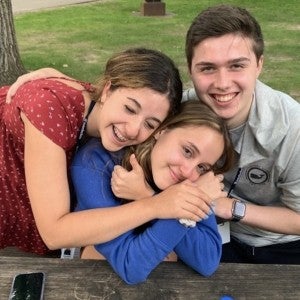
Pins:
x: 11, y: 65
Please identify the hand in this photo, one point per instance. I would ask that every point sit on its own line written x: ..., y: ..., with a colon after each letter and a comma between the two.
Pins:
x: 184, y: 200
x: 212, y: 185
x: 38, y: 74
x: 132, y: 184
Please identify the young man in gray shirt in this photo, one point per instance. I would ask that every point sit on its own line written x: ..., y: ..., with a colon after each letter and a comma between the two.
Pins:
x: 224, y: 48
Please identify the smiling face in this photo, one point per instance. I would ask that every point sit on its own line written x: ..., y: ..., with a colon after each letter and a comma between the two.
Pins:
x: 128, y: 116
x: 224, y: 72
x: 184, y: 153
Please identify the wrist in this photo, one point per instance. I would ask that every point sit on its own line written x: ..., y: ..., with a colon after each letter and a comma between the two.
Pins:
x: 238, y: 210
x: 149, y: 192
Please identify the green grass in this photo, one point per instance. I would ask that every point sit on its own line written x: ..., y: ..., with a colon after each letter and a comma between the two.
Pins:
x: 79, y: 39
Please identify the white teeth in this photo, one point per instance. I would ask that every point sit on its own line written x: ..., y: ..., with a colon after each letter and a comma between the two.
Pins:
x: 224, y: 98
x: 119, y: 135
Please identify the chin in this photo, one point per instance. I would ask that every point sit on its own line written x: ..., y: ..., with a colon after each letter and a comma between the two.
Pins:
x: 111, y: 147
x: 163, y: 186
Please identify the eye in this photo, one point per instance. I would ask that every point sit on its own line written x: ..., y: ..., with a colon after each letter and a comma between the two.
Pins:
x: 130, y: 109
x: 187, y: 152
x: 206, y: 69
x: 236, y: 67
x: 150, y: 126
x: 202, y: 169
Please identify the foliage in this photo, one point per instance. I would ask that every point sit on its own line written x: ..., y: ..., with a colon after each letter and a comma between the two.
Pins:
x: 79, y: 39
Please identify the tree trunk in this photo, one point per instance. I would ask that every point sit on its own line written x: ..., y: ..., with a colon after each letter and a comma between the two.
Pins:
x: 11, y: 66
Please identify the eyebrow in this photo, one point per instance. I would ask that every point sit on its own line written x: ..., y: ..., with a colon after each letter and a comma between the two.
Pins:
x: 140, y: 107
x: 193, y: 146
x: 233, y: 61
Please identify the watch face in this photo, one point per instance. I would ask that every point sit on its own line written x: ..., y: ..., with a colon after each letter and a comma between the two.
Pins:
x: 239, y: 209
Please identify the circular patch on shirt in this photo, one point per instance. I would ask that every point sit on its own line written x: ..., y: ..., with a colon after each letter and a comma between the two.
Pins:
x: 257, y: 175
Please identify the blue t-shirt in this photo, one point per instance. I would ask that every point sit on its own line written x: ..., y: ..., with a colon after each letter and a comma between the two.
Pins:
x: 134, y: 254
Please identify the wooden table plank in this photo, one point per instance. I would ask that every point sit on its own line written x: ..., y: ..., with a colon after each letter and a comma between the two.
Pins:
x: 90, y: 279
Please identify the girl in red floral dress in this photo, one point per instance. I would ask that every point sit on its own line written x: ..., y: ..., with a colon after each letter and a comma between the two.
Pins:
x: 39, y: 131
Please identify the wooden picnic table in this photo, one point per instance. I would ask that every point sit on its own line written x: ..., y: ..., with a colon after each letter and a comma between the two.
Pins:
x: 91, y: 279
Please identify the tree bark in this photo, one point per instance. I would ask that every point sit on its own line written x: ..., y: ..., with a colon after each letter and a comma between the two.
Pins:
x: 11, y: 66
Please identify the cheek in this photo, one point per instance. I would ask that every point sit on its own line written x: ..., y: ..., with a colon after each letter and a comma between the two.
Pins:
x: 201, y: 83
x: 143, y: 136
x: 217, y: 150
x: 157, y: 165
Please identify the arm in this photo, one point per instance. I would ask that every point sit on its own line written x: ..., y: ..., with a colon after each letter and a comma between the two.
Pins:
x: 201, y: 247
x: 285, y: 216
x: 41, y: 73
x: 134, y: 255
x: 132, y: 184
x: 47, y: 183
x: 275, y: 219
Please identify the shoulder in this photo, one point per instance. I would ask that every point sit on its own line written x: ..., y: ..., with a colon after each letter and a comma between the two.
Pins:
x: 93, y: 155
x: 276, y: 107
x: 46, y: 90
x: 275, y: 98
x: 47, y: 97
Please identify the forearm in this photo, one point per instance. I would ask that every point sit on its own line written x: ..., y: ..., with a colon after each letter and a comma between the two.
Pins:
x: 201, y: 247
x: 134, y: 255
x: 97, y: 225
x: 275, y: 219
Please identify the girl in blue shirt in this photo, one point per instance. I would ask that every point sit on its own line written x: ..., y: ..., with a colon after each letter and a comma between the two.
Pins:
x: 184, y: 148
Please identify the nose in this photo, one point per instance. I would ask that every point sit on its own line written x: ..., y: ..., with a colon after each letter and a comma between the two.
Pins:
x: 189, y: 171
x: 222, y: 79
x: 133, y: 129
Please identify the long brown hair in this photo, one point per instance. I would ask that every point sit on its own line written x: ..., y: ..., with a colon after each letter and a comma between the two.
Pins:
x: 192, y: 113
x: 143, y: 68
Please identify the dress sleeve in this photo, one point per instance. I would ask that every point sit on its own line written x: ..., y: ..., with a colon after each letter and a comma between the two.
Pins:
x: 53, y: 108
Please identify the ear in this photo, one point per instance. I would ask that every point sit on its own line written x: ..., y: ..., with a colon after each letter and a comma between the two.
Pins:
x: 159, y: 133
x: 189, y: 72
x: 259, y: 66
x: 104, y: 94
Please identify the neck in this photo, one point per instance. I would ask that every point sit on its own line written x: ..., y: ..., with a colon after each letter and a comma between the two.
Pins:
x: 92, y: 125
x: 240, y: 118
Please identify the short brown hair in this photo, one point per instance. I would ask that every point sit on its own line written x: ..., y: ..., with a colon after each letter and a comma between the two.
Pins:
x: 219, y: 20
x: 192, y: 113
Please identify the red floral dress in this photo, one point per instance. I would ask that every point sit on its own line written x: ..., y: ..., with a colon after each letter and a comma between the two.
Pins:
x: 56, y: 109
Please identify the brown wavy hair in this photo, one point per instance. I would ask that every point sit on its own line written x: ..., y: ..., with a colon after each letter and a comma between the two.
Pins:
x: 191, y: 113
x: 142, y: 68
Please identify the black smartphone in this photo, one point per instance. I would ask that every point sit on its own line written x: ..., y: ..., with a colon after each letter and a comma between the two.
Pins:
x: 28, y: 286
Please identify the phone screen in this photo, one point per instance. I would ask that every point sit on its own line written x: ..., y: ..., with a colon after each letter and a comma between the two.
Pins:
x: 29, y: 286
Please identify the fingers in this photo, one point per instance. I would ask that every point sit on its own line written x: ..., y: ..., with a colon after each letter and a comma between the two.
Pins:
x: 201, y: 213
x: 116, y: 178
x: 198, y: 205
x: 220, y: 177
x: 134, y: 163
